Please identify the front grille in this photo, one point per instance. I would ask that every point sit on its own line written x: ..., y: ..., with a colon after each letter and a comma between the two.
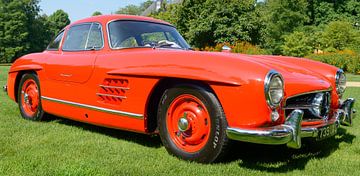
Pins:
x: 316, y: 105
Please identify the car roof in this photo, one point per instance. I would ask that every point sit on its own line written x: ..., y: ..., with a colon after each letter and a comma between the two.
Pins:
x: 107, y: 18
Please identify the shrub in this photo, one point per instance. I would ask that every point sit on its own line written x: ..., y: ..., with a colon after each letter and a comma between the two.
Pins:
x: 348, y: 60
x: 238, y: 47
x: 297, y: 44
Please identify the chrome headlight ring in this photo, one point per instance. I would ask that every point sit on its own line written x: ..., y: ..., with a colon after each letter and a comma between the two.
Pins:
x: 340, y: 82
x: 274, y: 89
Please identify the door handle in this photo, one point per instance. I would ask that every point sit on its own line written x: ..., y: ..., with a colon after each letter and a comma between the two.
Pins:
x: 65, y: 75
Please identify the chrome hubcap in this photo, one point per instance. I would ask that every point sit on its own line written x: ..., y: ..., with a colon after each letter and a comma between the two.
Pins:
x: 26, y: 98
x: 183, y: 123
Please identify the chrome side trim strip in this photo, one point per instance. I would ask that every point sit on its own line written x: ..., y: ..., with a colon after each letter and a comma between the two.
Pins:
x: 111, y: 111
x: 109, y: 95
x: 115, y: 87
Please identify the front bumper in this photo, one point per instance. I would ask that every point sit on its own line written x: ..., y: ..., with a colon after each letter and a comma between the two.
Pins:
x: 291, y: 132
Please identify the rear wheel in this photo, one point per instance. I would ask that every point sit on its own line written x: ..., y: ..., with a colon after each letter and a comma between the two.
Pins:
x: 192, y: 124
x: 29, y: 97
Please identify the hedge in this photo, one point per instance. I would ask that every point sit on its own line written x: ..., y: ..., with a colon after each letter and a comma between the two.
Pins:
x: 348, y: 60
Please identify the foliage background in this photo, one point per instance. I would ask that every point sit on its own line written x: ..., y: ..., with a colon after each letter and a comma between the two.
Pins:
x: 302, y: 28
x: 23, y: 30
x: 325, y: 29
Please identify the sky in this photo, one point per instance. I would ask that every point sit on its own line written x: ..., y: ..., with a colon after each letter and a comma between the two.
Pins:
x: 79, y: 9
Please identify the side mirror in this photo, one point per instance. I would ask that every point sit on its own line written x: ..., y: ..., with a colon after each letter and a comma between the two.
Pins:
x: 226, y: 49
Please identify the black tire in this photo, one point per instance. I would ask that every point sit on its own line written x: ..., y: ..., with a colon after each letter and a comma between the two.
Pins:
x: 38, y: 114
x: 217, y: 144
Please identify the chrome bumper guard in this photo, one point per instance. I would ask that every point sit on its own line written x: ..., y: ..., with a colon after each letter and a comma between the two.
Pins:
x: 291, y: 132
x: 5, y: 88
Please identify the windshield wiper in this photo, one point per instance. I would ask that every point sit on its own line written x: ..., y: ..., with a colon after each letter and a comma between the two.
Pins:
x: 163, y: 45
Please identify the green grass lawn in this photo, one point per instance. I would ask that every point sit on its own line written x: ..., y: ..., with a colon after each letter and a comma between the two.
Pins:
x: 352, y: 77
x: 64, y: 147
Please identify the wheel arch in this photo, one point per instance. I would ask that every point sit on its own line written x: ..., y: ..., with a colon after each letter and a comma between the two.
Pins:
x: 18, y: 79
x: 151, y: 121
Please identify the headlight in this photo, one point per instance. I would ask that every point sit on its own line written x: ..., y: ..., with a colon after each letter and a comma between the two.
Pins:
x: 274, y: 89
x: 340, y: 81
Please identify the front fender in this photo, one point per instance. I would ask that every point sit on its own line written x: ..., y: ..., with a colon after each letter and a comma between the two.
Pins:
x: 18, y: 68
x: 170, y: 71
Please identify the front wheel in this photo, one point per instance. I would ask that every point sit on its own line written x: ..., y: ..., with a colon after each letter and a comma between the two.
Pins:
x: 29, y: 98
x: 192, y: 124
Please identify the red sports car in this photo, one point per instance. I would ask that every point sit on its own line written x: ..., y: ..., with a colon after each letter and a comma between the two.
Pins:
x: 138, y: 74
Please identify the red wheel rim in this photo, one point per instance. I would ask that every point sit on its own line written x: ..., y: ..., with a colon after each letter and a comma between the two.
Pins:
x: 29, y: 97
x: 188, y: 123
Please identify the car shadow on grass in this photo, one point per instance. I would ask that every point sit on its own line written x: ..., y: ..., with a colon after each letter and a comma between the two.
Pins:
x: 280, y: 159
x: 269, y: 158
x: 142, y: 139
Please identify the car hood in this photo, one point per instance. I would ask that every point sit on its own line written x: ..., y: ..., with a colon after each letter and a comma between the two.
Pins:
x: 300, y: 75
x: 297, y: 76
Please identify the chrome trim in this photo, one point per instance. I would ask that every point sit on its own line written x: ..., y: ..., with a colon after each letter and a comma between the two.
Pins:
x: 291, y: 132
x: 111, y: 111
x: 288, y: 133
x: 268, y: 77
x: 65, y: 75
x: 337, y: 77
x: 311, y: 92
x: 301, y: 107
x: 109, y: 95
x: 5, y: 88
x: 87, y: 38
x: 183, y: 123
x: 225, y: 48
x: 326, y: 93
x: 61, y: 41
x: 312, y: 131
x: 305, y: 93
x: 114, y: 87
x: 91, y: 24
x: 348, y: 107
x: 120, y: 48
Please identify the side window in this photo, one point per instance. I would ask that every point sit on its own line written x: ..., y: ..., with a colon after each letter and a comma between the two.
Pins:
x: 95, y: 40
x: 76, y: 37
x: 55, y: 44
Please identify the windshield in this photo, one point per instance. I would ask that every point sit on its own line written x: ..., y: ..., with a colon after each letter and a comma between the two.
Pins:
x: 132, y: 34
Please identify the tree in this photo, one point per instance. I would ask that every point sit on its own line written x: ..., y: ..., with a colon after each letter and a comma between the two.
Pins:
x: 134, y: 9
x: 58, y: 20
x: 129, y: 10
x: 16, y: 23
x: 96, y: 13
x: 283, y: 17
x: 170, y: 14
x: 326, y: 11
x: 23, y: 30
x: 340, y: 35
x: 296, y: 44
x: 40, y: 34
x: 207, y: 22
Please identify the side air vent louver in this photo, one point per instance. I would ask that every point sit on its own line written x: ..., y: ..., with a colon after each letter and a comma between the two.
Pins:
x: 113, y: 91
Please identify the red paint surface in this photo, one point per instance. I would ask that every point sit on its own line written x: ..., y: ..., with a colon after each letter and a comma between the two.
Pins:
x: 236, y: 79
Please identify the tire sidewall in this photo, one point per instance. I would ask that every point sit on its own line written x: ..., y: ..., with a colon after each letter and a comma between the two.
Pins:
x: 217, y: 138
x: 39, y: 113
